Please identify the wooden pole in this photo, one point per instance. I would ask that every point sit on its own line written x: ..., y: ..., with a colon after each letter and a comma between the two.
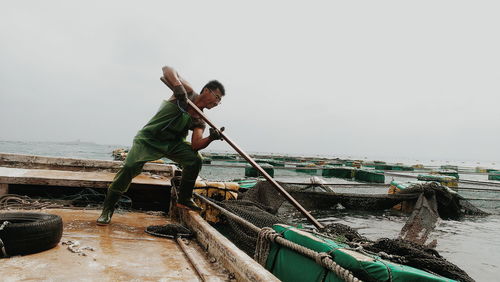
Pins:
x: 275, y: 184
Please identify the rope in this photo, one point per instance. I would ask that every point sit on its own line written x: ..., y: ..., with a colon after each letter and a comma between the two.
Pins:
x: 267, y: 235
x: 263, y: 246
x: 323, y: 259
x: 2, y: 245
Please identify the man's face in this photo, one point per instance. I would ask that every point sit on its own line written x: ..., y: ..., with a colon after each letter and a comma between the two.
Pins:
x: 214, y: 97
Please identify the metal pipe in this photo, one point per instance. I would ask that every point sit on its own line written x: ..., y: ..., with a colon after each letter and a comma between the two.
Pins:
x: 190, y: 258
x: 256, y: 166
x: 259, y: 169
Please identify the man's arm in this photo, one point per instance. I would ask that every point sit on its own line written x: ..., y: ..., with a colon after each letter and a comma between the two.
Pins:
x: 197, y: 140
x: 174, y: 79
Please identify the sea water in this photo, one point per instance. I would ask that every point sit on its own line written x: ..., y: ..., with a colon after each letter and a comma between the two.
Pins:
x: 471, y: 243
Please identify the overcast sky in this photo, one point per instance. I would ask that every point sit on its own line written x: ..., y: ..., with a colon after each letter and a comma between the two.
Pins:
x: 361, y: 78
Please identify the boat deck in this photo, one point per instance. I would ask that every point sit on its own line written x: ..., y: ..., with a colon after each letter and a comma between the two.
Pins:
x: 121, y: 251
x: 97, y: 179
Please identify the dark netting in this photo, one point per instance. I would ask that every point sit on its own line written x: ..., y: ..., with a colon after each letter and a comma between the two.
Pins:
x: 255, y: 213
x: 310, y: 198
x: 257, y: 206
x: 260, y: 204
x: 169, y: 231
x: 397, y: 250
x: 417, y: 256
x: 266, y: 196
x: 90, y: 197
x: 450, y: 205
x: 341, y: 233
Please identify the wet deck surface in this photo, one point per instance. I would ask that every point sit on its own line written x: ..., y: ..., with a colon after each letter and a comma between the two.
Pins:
x: 122, y: 252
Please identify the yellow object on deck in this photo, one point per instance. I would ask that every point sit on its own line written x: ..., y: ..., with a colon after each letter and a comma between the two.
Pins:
x: 405, y: 206
x: 481, y: 170
x: 218, y: 191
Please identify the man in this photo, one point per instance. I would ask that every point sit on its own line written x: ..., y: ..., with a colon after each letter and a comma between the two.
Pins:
x: 165, y: 136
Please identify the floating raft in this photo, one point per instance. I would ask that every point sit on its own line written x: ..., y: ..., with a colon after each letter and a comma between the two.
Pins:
x: 340, y: 172
x: 372, y: 176
x: 445, y: 180
x: 356, y: 164
x: 270, y: 161
x: 449, y: 172
x: 250, y: 171
x: 365, y: 175
x: 494, y: 175
x: 309, y: 167
x: 394, y: 167
x: 396, y: 187
x: 453, y: 167
x: 222, y: 157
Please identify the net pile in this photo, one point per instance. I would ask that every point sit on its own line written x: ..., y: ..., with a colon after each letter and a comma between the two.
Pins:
x: 450, y: 205
x: 397, y: 251
x: 255, y: 213
x: 260, y: 205
x: 169, y: 231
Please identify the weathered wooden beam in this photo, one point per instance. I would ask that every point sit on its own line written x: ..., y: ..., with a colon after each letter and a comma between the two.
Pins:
x: 70, y: 178
x: 42, y: 162
x: 4, y: 189
x: 234, y: 259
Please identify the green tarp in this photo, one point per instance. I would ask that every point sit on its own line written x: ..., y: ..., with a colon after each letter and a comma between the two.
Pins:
x: 341, y: 172
x: 288, y: 265
x: 372, y: 176
x: 250, y: 171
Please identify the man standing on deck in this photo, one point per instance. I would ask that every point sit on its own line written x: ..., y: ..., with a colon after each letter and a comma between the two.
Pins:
x: 165, y: 136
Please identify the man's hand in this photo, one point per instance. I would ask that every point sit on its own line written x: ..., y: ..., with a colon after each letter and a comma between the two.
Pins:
x: 215, y: 134
x: 181, y: 95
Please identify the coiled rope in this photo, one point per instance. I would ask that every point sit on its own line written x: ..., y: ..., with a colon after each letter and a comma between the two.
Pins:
x: 13, y: 201
x: 268, y: 235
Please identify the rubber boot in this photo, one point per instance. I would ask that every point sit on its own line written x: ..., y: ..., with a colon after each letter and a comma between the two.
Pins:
x: 109, y: 207
x: 185, y: 196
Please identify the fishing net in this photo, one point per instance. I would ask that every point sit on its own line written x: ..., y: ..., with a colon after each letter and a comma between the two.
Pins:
x: 243, y: 236
x: 416, y: 255
x: 171, y: 231
x: 396, y: 250
x: 260, y: 205
x: 450, y: 204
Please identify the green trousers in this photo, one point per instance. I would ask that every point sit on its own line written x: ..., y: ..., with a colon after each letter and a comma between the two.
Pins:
x: 144, y: 150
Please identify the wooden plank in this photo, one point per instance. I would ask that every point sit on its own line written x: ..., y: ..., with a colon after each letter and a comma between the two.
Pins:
x: 30, y: 161
x: 4, y: 189
x: 71, y: 178
x: 235, y: 260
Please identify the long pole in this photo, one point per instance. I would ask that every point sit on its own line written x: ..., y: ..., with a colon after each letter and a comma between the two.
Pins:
x: 275, y: 184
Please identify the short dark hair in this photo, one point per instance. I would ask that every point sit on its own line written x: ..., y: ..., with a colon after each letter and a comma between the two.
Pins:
x: 214, y: 85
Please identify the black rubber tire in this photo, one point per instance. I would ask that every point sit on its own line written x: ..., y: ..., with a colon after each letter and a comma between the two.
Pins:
x: 28, y: 232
